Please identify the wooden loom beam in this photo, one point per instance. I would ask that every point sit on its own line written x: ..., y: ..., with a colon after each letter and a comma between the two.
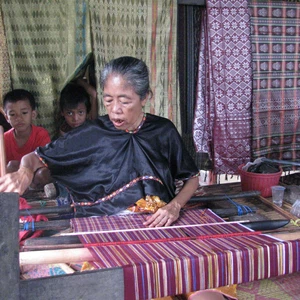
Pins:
x: 9, y: 246
x: 65, y: 209
x: 88, y: 285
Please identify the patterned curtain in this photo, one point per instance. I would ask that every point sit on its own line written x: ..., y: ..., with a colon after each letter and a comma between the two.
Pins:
x: 47, y: 40
x: 146, y: 29
x: 222, y: 122
x: 5, y: 82
x: 276, y: 79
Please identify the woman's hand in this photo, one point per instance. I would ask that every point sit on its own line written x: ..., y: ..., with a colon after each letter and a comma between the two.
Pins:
x: 16, y: 182
x: 164, y: 216
x: 168, y: 214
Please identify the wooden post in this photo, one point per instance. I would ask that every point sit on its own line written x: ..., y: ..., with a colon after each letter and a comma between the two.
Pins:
x: 9, y: 246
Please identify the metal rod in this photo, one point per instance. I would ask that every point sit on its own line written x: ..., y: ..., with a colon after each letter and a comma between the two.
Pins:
x: 282, y: 162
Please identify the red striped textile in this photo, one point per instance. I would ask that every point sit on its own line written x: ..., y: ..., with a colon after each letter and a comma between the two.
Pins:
x: 160, y: 269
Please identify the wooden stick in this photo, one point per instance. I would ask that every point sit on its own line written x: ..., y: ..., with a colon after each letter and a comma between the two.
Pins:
x: 228, y: 212
x: 46, y: 210
x: 2, y: 153
x: 51, y: 247
x: 55, y: 256
x: 52, y: 240
x: 209, y: 198
x: 45, y: 225
x: 281, y: 162
x: 68, y: 209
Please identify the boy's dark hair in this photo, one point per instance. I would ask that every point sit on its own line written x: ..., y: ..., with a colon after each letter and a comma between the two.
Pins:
x: 17, y: 95
x: 73, y: 94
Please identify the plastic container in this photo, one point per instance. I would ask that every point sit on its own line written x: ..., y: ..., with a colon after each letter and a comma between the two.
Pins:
x: 258, y: 182
x: 277, y: 194
x: 295, y: 210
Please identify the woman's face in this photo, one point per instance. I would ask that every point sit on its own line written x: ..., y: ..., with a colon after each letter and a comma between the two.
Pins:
x: 123, y: 105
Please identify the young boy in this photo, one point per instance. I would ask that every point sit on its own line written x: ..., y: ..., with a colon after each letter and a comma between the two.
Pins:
x: 24, y: 137
x: 76, y: 106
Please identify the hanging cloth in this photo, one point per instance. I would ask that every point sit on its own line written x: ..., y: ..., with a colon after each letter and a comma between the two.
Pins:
x: 5, y: 81
x: 276, y: 85
x: 222, y: 121
x: 146, y: 30
x: 47, y: 41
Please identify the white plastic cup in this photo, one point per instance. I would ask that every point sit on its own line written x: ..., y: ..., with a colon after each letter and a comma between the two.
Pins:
x: 277, y: 194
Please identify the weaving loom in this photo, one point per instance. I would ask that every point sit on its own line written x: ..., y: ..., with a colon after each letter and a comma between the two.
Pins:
x: 232, y: 254
x: 212, y: 256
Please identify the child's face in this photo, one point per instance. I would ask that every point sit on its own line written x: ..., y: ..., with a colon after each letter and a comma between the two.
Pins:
x: 20, y: 115
x: 76, y: 116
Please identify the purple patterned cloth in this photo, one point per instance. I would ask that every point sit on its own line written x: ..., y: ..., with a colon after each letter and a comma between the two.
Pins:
x: 222, y: 123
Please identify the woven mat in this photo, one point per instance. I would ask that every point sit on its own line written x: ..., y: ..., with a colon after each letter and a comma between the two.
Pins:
x: 286, y: 287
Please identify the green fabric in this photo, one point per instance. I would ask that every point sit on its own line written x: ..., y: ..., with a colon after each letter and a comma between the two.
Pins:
x: 5, y: 81
x: 147, y: 30
x: 47, y: 40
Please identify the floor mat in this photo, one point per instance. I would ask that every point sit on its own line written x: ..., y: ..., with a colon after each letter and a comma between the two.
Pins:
x: 286, y: 287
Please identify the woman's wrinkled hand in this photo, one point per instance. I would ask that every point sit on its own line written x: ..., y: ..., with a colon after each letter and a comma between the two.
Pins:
x: 164, y: 216
x: 16, y: 182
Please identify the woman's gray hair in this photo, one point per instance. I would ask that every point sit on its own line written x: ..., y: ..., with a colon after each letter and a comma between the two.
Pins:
x: 133, y: 70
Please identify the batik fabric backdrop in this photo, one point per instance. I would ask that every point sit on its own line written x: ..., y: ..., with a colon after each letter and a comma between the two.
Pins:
x: 222, y: 121
x: 146, y: 30
x: 46, y: 40
x: 4, y: 63
x: 276, y: 81
x: 49, y: 42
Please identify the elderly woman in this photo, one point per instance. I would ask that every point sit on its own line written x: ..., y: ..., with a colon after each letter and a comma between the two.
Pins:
x: 107, y: 165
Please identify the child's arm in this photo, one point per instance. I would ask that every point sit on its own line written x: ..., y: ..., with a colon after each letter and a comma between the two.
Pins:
x: 93, y: 97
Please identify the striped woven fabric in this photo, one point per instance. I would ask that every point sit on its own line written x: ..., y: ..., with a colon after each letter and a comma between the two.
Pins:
x: 231, y: 254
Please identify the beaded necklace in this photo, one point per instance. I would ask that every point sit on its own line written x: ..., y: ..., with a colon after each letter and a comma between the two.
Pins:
x: 139, y: 127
